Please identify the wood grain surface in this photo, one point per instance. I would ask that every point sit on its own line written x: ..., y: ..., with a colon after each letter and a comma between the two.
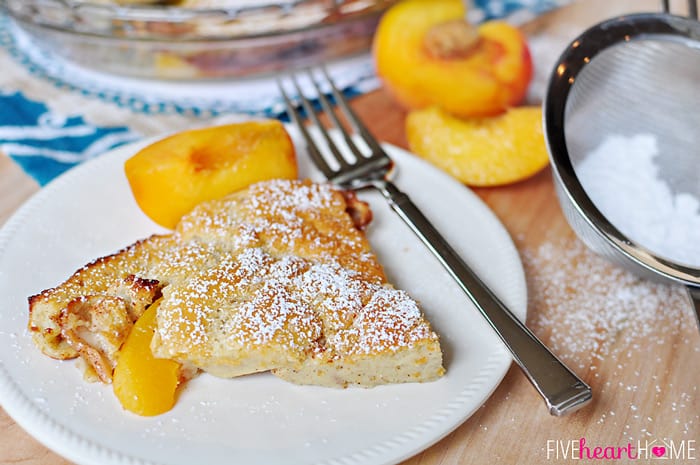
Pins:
x: 643, y: 370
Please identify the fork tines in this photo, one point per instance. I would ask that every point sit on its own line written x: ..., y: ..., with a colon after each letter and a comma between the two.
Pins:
x: 340, y: 160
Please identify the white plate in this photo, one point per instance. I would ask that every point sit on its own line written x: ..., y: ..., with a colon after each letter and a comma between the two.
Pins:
x: 257, y: 419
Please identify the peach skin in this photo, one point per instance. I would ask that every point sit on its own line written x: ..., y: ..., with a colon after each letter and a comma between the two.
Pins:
x: 427, y: 54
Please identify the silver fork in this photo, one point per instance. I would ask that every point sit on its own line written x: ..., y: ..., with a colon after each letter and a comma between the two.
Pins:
x: 561, y: 389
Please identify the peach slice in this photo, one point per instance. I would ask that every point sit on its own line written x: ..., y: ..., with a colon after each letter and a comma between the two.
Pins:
x: 169, y: 177
x: 427, y: 54
x: 145, y: 385
x: 487, y: 151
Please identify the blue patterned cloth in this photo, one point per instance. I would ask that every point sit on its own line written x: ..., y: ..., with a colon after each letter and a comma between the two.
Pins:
x: 46, y: 134
x: 45, y: 144
x: 492, y: 9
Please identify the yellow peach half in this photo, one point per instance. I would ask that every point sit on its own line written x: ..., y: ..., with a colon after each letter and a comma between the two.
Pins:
x: 428, y: 55
x: 171, y: 176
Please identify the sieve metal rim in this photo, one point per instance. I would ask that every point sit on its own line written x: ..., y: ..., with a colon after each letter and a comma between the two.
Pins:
x: 575, y: 57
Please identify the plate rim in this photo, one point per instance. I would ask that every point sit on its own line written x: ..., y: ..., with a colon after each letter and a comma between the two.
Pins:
x: 70, y: 444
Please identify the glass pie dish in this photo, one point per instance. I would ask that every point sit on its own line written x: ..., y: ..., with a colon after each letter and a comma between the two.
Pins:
x: 197, y: 39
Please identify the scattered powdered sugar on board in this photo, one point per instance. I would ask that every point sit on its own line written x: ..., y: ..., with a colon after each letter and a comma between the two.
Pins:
x: 591, y: 308
x: 622, y: 334
x: 622, y: 179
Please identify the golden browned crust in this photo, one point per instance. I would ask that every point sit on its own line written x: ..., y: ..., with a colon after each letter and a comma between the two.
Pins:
x: 114, y: 274
x: 119, y: 285
x: 358, y: 210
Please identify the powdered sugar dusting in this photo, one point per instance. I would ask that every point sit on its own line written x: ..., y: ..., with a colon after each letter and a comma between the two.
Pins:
x: 293, y: 277
x: 390, y: 320
x: 280, y: 216
x: 254, y: 300
x: 623, y: 335
x: 590, y: 308
x: 622, y: 177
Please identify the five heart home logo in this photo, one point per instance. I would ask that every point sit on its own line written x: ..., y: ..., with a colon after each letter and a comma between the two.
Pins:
x: 581, y: 449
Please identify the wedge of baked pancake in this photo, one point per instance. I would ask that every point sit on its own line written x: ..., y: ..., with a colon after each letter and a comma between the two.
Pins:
x: 302, y: 295
x: 279, y: 276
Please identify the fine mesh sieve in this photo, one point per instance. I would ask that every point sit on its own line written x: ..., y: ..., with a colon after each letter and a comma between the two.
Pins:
x: 622, y: 123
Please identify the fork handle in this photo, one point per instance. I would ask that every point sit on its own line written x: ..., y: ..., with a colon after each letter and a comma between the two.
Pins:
x: 561, y: 389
